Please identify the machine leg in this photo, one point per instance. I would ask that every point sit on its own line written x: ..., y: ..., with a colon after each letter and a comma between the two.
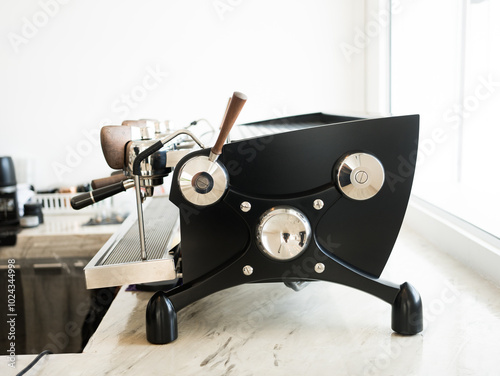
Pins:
x: 161, y: 320
x: 161, y: 313
x: 407, y: 316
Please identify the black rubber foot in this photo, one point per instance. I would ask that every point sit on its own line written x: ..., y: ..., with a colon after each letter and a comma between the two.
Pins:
x: 161, y: 320
x: 407, y: 316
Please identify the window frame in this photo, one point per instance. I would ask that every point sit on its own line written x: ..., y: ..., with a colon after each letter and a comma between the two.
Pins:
x: 463, y: 241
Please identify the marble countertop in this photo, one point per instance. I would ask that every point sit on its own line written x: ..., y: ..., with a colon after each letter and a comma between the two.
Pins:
x: 62, y: 235
x: 325, y: 329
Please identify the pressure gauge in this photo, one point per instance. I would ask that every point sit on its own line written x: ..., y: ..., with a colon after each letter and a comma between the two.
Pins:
x: 283, y: 233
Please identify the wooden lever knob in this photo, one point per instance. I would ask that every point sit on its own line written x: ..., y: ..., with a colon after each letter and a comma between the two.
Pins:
x: 233, y: 110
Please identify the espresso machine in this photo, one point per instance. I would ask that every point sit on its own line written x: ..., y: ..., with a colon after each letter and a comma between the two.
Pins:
x: 298, y: 199
x: 9, y: 211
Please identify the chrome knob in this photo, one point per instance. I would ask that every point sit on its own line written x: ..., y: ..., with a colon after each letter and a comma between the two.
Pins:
x: 201, y: 181
x: 360, y: 176
x: 283, y: 233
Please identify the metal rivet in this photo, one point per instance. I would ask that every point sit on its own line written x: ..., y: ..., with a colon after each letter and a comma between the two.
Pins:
x: 247, y: 270
x: 318, y: 204
x: 319, y: 267
x: 245, y: 206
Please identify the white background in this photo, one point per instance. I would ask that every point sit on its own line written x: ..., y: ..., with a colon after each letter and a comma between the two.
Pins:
x: 65, y: 69
x: 447, y: 69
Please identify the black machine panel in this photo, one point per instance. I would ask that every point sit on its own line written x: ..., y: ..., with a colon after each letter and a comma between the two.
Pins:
x: 296, y: 163
x: 361, y: 233
x: 322, y: 200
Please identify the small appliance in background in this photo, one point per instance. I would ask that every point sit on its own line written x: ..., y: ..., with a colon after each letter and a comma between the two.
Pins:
x: 33, y: 215
x: 9, y: 213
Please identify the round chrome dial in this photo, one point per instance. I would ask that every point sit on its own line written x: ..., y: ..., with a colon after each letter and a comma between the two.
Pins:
x: 360, y: 176
x: 283, y: 233
x: 202, y: 182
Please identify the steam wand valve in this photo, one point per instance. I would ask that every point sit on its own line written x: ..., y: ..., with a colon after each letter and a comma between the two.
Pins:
x: 233, y: 109
x: 137, y: 173
x: 136, y: 166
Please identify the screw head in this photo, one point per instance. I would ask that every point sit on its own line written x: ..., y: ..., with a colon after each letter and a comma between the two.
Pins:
x: 361, y: 177
x: 247, y: 270
x: 245, y: 206
x: 319, y: 267
x: 318, y: 204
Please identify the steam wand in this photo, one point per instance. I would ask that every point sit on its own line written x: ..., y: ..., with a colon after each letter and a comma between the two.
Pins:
x: 140, y: 217
x: 137, y: 173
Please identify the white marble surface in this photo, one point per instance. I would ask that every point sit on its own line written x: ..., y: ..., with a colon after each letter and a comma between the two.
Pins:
x: 59, y: 236
x: 326, y: 329
x: 67, y: 224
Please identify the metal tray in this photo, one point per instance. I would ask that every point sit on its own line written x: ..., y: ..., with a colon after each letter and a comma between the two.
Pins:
x: 119, y: 261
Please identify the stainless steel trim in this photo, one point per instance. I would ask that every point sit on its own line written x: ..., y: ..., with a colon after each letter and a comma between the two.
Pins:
x: 245, y: 206
x: 319, y: 267
x: 170, y: 137
x: 153, y: 166
x: 318, y: 204
x: 127, y: 184
x: 147, y: 130
x: 140, y: 218
x: 212, y: 156
x: 134, y: 272
x: 283, y: 233
x: 360, y: 176
x: 158, y: 164
x: 192, y: 170
x: 118, y: 262
x: 247, y: 270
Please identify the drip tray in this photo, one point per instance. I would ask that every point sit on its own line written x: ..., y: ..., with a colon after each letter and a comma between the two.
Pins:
x: 119, y: 261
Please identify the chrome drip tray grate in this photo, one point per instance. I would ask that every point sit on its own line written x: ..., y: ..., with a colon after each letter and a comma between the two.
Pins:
x: 119, y: 260
x: 159, y: 222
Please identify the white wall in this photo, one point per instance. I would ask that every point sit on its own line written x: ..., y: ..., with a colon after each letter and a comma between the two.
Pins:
x: 66, y: 67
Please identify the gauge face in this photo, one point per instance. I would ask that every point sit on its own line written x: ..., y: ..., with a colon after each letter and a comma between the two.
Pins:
x: 283, y: 233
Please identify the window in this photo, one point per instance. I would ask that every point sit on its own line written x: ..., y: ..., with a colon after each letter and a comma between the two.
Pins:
x: 445, y: 66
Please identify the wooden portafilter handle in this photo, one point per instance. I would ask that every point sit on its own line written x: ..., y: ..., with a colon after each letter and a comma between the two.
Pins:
x: 236, y: 103
x: 113, y: 141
